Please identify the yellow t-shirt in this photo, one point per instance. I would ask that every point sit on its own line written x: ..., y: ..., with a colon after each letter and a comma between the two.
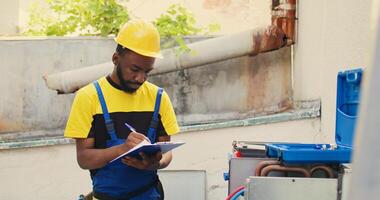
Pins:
x: 86, y: 116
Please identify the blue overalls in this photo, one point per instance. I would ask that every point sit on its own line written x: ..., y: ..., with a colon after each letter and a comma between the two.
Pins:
x: 118, y: 180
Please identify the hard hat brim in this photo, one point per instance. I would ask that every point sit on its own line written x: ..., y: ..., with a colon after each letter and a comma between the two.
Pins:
x: 141, y: 52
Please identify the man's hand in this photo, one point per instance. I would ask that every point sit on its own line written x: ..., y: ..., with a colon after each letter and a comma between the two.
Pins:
x: 133, y: 139
x: 148, y: 162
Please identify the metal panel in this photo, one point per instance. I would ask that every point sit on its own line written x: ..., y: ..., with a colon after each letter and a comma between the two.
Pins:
x: 184, y: 184
x: 285, y: 188
x: 346, y: 181
x: 241, y: 169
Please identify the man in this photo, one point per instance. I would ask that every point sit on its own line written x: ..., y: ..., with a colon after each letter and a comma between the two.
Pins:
x: 101, y: 109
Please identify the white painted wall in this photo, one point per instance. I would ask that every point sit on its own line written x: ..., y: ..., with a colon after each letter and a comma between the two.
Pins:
x: 332, y: 36
x: 53, y: 173
x: 9, y: 17
x: 365, y: 183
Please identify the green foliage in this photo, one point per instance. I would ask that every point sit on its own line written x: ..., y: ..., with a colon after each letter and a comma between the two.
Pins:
x: 176, y: 22
x: 86, y: 17
x: 104, y: 17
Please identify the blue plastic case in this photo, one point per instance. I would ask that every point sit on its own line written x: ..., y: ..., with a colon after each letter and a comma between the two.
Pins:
x: 347, y: 103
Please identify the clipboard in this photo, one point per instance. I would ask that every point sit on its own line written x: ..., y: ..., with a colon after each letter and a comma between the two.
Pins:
x: 149, y: 148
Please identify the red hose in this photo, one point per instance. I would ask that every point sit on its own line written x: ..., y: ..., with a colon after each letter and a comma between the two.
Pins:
x: 234, y: 192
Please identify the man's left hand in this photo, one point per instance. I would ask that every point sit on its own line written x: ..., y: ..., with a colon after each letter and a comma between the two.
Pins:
x: 148, y: 162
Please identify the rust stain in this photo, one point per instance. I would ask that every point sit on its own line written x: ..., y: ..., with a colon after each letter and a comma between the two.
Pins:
x: 274, y: 38
x: 269, y: 39
x: 257, y: 84
x: 287, y: 103
x: 259, y: 77
x: 7, y: 126
x: 284, y: 17
x: 2, y: 127
x: 280, y: 33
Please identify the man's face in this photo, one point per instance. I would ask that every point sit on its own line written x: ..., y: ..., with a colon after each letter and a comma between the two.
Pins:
x: 132, y: 70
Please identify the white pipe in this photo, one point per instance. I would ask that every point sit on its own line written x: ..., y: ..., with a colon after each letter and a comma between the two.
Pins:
x: 71, y: 81
x: 249, y: 42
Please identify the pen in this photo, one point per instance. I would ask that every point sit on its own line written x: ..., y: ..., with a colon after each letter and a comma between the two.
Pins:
x: 134, y: 130
x: 130, y: 127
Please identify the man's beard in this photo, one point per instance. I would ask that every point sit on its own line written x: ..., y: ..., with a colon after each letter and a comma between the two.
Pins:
x: 124, y: 84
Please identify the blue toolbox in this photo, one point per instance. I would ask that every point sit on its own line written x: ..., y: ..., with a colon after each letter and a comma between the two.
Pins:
x: 347, y: 103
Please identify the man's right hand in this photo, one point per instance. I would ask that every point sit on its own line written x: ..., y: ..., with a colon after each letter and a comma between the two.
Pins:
x: 90, y: 158
x: 133, y: 139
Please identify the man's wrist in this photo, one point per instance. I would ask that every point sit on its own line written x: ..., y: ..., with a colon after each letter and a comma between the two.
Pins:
x: 122, y: 149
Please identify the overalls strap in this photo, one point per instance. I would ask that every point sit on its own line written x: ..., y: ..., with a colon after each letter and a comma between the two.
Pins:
x: 154, y: 123
x: 107, y: 119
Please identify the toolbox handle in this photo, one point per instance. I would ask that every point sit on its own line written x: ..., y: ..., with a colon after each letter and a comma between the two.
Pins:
x: 352, y: 77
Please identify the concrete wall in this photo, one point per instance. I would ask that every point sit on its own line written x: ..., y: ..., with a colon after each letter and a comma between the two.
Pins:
x: 332, y: 36
x: 244, y: 86
x: 233, y: 89
x: 26, y: 103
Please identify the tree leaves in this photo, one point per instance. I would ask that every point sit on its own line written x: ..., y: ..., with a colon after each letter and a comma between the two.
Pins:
x: 83, y: 17
x: 105, y: 17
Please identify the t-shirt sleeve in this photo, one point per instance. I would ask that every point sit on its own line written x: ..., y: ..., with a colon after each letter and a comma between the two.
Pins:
x: 81, y: 116
x: 168, y: 118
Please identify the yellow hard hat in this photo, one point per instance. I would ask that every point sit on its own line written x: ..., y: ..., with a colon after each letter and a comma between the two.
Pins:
x: 141, y: 37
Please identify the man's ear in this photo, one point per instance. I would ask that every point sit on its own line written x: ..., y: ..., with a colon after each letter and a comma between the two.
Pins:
x: 115, y: 59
